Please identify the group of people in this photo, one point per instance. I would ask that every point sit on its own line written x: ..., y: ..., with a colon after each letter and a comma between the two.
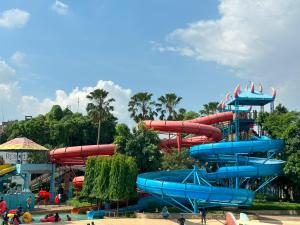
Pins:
x: 15, y: 220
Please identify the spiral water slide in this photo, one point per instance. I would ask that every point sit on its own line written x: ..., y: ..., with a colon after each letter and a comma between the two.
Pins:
x: 198, y: 186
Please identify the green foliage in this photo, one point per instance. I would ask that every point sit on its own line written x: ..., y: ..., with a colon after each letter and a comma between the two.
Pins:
x: 123, y: 134
x: 209, y: 108
x: 99, y: 109
x: 143, y: 146
x: 117, y: 178
x: 276, y: 124
x: 77, y: 203
x: 110, y: 178
x: 56, y: 113
x: 266, y: 205
x: 132, y: 172
x: 38, y: 157
x: 70, y: 130
x: 172, y: 161
x: 141, y: 107
x: 190, y: 115
x: 286, y: 125
x: 89, y: 177
x: 101, y: 182
x: 166, y: 106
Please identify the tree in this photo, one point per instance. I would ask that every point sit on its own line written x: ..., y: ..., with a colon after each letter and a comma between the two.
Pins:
x: 209, y: 108
x: 286, y: 125
x: 56, y: 113
x: 190, y: 115
x: 166, y: 106
x: 171, y: 161
x: 132, y: 172
x: 117, y: 182
x: 280, y: 109
x: 89, y: 177
x: 123, y: 134
x: 100, y: 107
x: 141, y: 107
x: 143, y: 146
x: 101, y: 184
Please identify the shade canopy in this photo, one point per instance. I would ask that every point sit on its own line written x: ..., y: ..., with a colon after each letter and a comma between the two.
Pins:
x: 22, y: 144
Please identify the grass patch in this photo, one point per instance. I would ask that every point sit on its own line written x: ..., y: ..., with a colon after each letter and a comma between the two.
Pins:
x: 268, y: 205
x: 77, y: 203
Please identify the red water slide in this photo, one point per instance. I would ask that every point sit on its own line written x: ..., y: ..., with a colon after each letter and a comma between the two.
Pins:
x: 200, y: 126
x: 78, y: 154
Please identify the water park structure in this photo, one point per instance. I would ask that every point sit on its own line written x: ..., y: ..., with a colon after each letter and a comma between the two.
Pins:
x: 231, y: 147
x: 234, y: 157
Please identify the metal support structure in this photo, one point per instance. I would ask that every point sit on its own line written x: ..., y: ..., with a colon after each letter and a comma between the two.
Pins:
x: 269, y: 180
x: 27, y: 179
x: 52, y: 182
x: 269, y: 156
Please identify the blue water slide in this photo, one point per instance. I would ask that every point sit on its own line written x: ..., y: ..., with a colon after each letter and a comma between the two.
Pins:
x: 236, y: 161
x: 142, y: 204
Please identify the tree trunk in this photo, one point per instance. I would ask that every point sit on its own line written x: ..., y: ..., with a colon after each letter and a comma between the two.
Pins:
x: 98, y: 137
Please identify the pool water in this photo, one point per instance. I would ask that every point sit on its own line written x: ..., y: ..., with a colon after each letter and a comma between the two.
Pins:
x: 63, y: 217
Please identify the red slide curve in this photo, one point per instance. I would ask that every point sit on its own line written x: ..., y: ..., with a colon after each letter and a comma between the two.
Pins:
x: 198, y: 126
x: 201, y: 127
x: 78, y: 154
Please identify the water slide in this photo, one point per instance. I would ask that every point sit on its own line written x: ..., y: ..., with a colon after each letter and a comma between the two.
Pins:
x: 6, y: 169
x: 77, y: 155
x: 201, y: 186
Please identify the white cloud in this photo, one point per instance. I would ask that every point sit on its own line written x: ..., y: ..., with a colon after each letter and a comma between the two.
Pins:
x: 60, y: 7
x: 7, y: 74
x: 14, y: 18
x: 30, y: 105
x: 9, y: 90
x: 258, y: 39
x: 14, y: 105
x: 18, y: 59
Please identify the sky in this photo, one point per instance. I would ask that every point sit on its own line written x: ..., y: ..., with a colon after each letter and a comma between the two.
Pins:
x: 56, y: 52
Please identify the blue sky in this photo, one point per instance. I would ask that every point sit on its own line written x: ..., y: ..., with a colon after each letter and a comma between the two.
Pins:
x: 138, y: 45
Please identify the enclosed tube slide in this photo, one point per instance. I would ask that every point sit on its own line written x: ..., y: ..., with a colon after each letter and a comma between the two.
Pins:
x: 78, y: 154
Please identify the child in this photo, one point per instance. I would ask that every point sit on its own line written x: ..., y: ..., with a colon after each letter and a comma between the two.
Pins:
x: 69, y: 218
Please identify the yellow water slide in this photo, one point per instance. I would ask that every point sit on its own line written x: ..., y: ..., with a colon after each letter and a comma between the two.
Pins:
x: 6, y: 168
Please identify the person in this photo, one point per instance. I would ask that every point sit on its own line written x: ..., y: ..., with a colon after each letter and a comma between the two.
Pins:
x: 69, y: 218
x: 28, y: 202
x: 19, y: 210
x: 16, y: 220
x: 181, y: 220
x: 56, y: 217
x: 203, y: 216
x: 5, y: 217
x: 59, y: 198
x: 165, y: 213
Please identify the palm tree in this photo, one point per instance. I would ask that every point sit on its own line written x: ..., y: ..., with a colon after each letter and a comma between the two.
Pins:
x: 99, y: 108
x: 141, y: 106
x: 209, y: 108
x: 166, y: 106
